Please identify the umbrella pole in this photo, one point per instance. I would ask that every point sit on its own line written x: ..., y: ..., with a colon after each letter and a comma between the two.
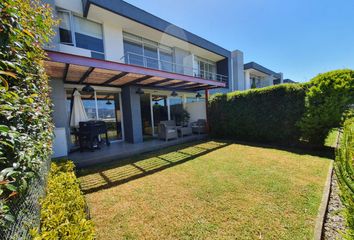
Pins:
x: 72, y: 103
x: 71, y: 110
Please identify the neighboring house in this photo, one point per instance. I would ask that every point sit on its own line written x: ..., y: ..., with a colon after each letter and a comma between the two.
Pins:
x: 289, y: 81
x: 142, y: 69
x: 257, y: 76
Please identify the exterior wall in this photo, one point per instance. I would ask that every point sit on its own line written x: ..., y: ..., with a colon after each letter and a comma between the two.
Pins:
x: 72, y: 5
x: 247, y: 80
x: 60, y: 117
x: 196, y: 110
x: 267, y: 80
x: 74, y: 50
x: 113, y: 42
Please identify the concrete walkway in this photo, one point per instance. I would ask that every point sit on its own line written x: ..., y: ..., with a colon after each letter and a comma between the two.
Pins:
x: 120, y: 150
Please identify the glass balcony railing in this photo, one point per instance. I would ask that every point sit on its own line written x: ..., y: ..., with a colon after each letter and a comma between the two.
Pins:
x: 154, y: 63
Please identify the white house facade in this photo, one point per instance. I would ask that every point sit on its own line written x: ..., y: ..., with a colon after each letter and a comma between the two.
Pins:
x: 133, y: 70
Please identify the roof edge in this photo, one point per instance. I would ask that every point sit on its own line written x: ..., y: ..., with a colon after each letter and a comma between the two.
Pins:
x: 258, y: 67
x: 139, y: 15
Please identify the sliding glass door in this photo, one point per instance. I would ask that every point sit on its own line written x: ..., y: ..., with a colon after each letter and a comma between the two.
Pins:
x: 104, y: 106
x: 160, y: 110
x: 109, y: 111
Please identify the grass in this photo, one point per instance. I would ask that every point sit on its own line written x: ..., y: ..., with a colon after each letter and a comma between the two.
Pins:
x: 208, y: 190
x: 331, y: 140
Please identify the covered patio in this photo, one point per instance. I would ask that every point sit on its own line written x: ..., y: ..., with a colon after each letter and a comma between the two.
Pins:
x: 133, y: 91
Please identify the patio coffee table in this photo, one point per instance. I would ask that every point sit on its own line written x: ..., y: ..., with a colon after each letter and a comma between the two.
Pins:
x: 183, y: 131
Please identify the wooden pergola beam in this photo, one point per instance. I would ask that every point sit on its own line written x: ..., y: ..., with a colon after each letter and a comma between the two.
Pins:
x: 86, y: 74
x: 116, y: 77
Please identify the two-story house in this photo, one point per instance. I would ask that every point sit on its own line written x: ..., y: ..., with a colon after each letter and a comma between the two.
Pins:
x: 132, y: 69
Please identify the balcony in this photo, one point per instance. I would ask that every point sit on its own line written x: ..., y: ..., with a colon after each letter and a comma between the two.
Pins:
x: 74, y: 69
x: 154, y: 63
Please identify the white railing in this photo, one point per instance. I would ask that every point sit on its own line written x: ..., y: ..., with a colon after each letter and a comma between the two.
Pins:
x: 154, y: 63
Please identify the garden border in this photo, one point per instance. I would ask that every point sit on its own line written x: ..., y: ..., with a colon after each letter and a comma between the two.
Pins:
x: 324, y: 204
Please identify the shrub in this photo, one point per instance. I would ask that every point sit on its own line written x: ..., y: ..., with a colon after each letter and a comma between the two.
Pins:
x: 262, y: 115
x: 344, y: 168
x: 328, y: 97
x: 63, y: 213
x: 25, y: 108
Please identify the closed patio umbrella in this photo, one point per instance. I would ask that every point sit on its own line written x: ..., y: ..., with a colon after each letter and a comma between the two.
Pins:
x: 78, y: 113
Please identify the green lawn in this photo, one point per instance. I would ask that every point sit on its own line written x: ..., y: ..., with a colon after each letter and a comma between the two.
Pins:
x: 208, y: 190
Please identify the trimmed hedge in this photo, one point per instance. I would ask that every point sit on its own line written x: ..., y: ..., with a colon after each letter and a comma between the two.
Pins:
x: 261, y: 115
x: 328, y: 98
x: 25, y: 108
x: 344, y: 168
x: 63, y: 213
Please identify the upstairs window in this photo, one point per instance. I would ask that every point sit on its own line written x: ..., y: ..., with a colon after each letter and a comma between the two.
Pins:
x: 206, y: 68
x: 147, y: 53
x: 82, y: 33
x: 65, y: 28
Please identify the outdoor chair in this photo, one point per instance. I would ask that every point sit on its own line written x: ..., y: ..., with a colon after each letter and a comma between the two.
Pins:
x: 167, y: 130
x: 199, y: 126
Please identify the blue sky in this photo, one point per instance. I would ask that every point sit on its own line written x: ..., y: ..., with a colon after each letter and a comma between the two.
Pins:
x: 300, y: 38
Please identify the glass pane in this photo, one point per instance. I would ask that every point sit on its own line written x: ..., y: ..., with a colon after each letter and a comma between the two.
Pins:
x: 160, y: 112
x: 145, y: 107
x: 108, y: 111
x: 150, y: 54
x: 88, y: 34
x: 131, y: 37
x: 119, y: 117
x: 87, y: 27
x: 133, y: 53
x: 64, y: 28
x: 202, y: 69
x: 166, y: 61
x: 97, y: 55
x: 177, y: 111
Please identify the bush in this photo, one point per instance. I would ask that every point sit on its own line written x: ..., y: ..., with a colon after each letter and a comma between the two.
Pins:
x: 262, y: 115
x: 63, y: 213
x: 328, y: 97
x: 344, y: 168
x: 25, y: 108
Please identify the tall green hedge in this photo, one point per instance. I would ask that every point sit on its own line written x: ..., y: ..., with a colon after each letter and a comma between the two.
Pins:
x: 344, y: 168
x: 25, y: 107
x: 262, y: 115
x: 329, y: 96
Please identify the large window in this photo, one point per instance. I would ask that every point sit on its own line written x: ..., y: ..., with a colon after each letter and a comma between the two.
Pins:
x: 146, y: 53
x: 80, y: 32
x: 206, y: 68
x: 104, y: 106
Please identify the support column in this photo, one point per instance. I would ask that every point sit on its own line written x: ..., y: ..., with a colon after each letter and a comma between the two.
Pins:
x: 237, y: 71
x: 132, y: 115
x: 206, y: 109
x: 60, y: 116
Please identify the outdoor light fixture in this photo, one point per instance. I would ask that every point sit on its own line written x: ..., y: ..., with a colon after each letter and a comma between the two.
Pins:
x: 88, y: 89
x: 174, y: 94
x: 139, y: 91
x: 198, y: 95
x: 108, y: 102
